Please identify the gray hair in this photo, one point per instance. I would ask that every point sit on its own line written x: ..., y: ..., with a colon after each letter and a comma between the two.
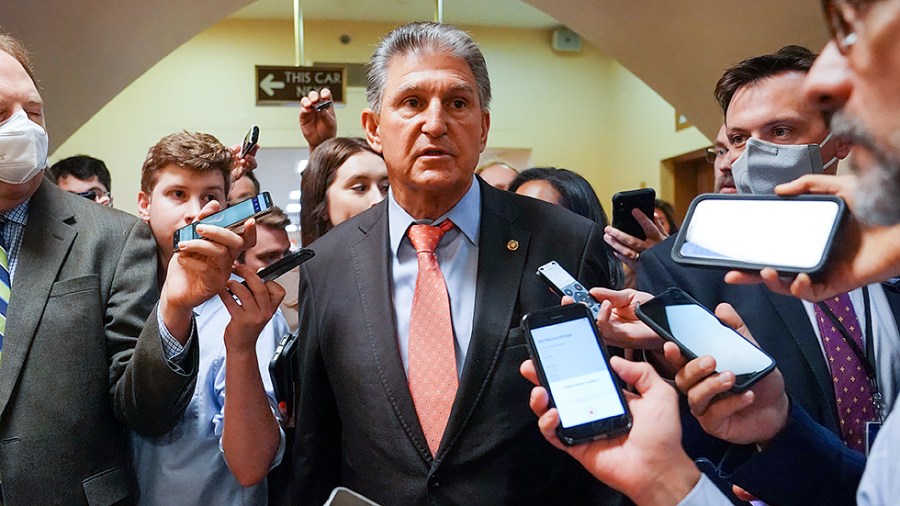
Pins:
x: 421, y: 38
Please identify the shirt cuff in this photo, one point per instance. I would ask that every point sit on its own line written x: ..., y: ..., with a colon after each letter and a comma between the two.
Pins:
x: 704, y: 493
x: 175, y: 352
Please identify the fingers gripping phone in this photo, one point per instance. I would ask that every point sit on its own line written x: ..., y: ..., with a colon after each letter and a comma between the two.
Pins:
x: 677, y: 317
x: 573, y: 365
x: 232, y: 217
x: 623, y: 202
x: 562, y: 283
x: 250, y: 141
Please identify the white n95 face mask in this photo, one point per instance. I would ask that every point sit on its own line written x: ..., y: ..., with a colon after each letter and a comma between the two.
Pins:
x: 23, y: 149
x: 764, y: 165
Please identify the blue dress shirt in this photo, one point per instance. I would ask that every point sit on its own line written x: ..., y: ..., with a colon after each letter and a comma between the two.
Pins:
x: 457, y: 255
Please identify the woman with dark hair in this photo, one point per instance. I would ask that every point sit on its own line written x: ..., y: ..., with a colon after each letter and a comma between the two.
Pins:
x: 573, y: 192
x: 343, y: 178
x: 665, y: 214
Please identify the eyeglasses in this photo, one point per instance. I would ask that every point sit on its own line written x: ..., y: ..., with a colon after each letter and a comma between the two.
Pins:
x: 841, y: 15
x: 715, y: 152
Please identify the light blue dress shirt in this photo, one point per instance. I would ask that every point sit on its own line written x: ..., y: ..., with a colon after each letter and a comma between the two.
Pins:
x: 457, y: 255
x: 187, y: 466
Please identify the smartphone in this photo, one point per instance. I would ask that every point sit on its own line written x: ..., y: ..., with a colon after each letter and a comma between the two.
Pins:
x: 287, y: 263
x: 562, y: 283
x: 281, y: 370
x: 573, y: 365
x: 789, y: 234
x: 345, y: 497
x: 232, y: 217
x: 321, y: 106
x: 250, y: 140
x: 677, y: 317
x: 623, y: 202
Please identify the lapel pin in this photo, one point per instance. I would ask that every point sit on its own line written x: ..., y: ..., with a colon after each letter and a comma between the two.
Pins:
x: 512, y: 245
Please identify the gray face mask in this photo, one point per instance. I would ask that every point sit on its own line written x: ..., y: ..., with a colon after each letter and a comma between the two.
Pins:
x: 764, y: 165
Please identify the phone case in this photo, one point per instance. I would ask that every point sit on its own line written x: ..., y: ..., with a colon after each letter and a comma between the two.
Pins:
x: 623, y: 202
x: 751, y: 266
x: 601, y: 429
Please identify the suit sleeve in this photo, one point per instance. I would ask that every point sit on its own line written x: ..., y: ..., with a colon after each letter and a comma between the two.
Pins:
x: 317, y: 443
x: 805, y: 464
x: 147, y: 394
x: 653, y: 273
x: 594, y: 270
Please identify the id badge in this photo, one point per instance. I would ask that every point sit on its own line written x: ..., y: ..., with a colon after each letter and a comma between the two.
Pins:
x: 872, y: 429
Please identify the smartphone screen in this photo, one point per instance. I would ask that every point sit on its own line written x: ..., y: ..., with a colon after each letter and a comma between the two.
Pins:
x: 679, y: 318
x: 791, y: 235
x: 231, y: 216
x: 574, y: 368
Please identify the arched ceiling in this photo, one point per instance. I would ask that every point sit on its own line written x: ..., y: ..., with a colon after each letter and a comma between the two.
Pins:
x: 680, y: 47
x: 87, y: 51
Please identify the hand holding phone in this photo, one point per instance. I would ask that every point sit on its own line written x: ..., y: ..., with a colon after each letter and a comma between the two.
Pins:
x: 652, y: 448
x: 677, y: 317
x: 573, y: 365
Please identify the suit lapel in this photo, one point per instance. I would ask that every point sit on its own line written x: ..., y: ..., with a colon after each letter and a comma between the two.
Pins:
x: 45, y: 244
x: 794, y: 317
x: 500, y: 269
x: 372, y: 265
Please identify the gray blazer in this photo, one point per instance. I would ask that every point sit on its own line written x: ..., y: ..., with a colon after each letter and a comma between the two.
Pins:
x: 74, y: 371
x: 357, y: 426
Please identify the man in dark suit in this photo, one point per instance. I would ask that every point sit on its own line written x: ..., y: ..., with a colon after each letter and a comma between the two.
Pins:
x: 379, y: 412
x: 83, y: 347
x: 762, y: 100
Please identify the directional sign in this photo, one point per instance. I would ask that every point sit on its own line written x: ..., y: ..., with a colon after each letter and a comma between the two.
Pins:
x: 281, y: 85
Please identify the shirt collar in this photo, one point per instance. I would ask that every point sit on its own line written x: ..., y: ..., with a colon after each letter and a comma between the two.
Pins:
x: 466, y: 215
x: 18, y: 214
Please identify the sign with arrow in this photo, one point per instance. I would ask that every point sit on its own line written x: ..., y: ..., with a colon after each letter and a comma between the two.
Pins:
x: 287, y: 85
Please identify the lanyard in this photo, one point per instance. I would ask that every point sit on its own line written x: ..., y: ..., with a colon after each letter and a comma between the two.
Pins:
x: 866, y: 358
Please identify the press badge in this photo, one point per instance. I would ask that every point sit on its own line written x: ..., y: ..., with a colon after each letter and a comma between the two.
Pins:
x: 872, y: 429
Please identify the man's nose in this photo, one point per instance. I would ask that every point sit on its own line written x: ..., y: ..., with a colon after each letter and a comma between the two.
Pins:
x: 435, y: 123
x: 828, y: 83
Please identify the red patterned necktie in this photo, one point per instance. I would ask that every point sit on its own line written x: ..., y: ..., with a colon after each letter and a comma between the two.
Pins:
x: 432, y: 356
x: 852, y: 393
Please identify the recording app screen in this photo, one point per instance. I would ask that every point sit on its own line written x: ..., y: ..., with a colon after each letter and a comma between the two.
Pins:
x: 581, y: 384
x: 702, y: 333
x: 789, y: 233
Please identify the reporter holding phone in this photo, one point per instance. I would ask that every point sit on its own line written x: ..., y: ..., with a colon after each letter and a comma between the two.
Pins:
x: 219, y: 452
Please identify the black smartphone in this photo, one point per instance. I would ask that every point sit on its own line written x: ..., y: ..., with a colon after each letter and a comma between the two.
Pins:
x: 573, y: 365
x: 281, y: 370
x: 623, y: 202
x: 677, y: 317
x: 562, y: 283
x: 232, y: 217
x: 250, y: 140
x: 287, y: 263
x: 789, y: 234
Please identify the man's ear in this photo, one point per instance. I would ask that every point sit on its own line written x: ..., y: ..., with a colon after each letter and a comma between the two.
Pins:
x: 370, y: 125
x: 485, y: 127
x: 144, y: 206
